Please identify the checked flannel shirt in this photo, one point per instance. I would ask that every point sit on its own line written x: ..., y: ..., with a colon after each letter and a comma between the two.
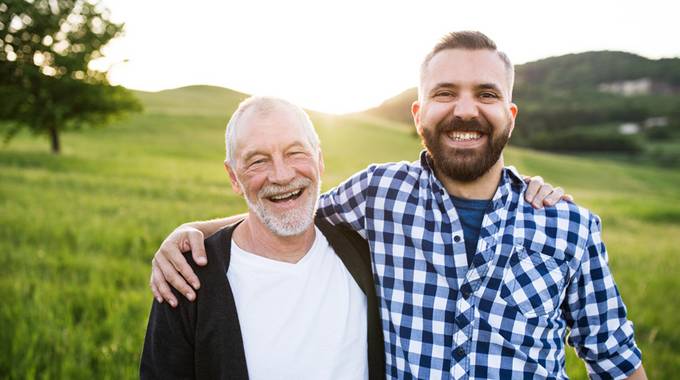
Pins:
x: 535, y: 274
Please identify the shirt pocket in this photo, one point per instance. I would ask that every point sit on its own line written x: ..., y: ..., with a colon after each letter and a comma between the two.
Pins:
x: 533, y: 282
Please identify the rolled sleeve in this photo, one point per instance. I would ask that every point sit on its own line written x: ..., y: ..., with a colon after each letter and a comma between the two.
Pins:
x: 600, y: 331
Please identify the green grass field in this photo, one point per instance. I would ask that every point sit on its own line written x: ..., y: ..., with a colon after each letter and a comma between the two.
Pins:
x: 77, y: 231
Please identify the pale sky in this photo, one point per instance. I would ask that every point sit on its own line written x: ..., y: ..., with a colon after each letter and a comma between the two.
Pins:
x: 349, y: 55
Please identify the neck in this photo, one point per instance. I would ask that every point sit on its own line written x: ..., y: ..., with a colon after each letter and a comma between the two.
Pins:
x: 483, y: 187
x: 254, y: 237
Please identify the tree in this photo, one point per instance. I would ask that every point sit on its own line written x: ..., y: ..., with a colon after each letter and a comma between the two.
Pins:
x: 46, y: 84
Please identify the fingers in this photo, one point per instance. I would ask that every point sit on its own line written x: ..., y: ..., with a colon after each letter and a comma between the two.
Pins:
x: 179, y: 262
x: 159, y: 283
x: 553, y: 197
x: 568, y: 198
x: 542, y: 193
x: 154, y: 289
x: 175, y: 279
x: 195, y: 240
x: 534, y: 186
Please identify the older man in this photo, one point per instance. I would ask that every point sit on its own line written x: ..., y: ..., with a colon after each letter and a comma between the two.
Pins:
x: 473, y: 281
x: 283, y: 298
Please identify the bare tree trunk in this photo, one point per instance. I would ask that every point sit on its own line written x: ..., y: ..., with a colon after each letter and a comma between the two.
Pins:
x: 54, y: 137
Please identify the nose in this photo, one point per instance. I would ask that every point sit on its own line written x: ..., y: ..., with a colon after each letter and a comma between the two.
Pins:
x: 466, y: 108
x: 281, y: 173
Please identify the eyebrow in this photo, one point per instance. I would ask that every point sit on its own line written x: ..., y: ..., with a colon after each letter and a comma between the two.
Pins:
x: 489, y: 86
x: 482, y: 86
x: 445, y: 84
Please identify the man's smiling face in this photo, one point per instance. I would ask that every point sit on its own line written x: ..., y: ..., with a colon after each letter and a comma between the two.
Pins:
x: 277, y: 170
x: 464, y: 114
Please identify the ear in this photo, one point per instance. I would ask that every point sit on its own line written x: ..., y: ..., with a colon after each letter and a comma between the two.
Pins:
x: 415, y: 112
x: 232, y: 178
x: 513, y: 115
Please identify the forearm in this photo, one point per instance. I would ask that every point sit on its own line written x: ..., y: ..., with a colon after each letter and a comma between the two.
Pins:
x: 639, y: 374
x: 209, y: 227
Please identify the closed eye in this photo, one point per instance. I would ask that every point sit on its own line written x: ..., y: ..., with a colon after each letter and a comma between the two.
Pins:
x: 257, y: 162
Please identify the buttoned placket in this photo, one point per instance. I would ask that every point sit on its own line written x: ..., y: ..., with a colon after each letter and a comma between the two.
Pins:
x: 469, y: 278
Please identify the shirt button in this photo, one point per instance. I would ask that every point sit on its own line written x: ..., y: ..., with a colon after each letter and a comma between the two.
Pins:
x: 466, y: 294
x: 459, y: 353
x: 456, y: 238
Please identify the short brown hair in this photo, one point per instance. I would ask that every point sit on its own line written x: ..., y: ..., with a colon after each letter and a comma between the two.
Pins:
x: 469, y: 40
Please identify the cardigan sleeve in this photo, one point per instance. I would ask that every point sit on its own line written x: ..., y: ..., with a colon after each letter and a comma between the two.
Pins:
x: 169, y: 343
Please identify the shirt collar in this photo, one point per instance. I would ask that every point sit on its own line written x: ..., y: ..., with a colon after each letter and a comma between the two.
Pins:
x: 510, y: 180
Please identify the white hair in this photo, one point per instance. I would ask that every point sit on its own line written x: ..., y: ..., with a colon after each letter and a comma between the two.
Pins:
x: 264, y: 105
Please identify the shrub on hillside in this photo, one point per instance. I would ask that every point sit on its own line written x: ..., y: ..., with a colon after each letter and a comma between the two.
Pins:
x: 584, y: 140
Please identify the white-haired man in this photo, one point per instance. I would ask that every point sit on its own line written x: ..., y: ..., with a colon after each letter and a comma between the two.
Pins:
x: 284, y: 298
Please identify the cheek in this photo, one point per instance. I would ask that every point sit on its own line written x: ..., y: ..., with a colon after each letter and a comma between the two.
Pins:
x: 435, y: 113
x: 498, y: 117
x: 305, y: 167
x: 309, y: 171
x: 252, y: 183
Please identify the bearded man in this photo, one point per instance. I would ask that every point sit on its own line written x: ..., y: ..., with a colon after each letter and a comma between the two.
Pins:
x: 473, y: 282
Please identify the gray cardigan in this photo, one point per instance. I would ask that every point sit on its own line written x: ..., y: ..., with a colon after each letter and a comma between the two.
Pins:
x: 202, y: 339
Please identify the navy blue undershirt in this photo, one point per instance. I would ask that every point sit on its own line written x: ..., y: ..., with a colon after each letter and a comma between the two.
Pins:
x: 471, y: 213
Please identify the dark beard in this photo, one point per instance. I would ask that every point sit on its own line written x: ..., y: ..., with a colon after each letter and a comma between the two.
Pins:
x: 464, y: 165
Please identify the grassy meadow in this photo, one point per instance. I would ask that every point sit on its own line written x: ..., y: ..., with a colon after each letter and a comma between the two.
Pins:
x: 77, y: 231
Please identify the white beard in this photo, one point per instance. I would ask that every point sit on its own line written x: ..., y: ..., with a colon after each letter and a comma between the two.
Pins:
x: 293, y: 222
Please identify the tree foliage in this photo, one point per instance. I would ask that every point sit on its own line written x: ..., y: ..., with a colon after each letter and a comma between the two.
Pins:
x: 46, y: 82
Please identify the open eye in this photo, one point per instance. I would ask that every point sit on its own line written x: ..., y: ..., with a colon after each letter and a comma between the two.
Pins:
x: 488, y: 95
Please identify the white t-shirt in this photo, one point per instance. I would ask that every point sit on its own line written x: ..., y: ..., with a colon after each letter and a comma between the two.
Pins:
x: 300, y: 321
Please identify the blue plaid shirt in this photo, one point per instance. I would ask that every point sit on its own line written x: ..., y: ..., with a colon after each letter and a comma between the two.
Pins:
x: 535, y: 274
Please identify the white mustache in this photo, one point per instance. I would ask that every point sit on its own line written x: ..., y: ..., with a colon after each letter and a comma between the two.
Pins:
x: 295, y: 184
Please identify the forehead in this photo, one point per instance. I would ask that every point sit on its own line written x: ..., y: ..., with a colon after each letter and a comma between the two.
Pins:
x: 267, y: 132
x: 465, y: 68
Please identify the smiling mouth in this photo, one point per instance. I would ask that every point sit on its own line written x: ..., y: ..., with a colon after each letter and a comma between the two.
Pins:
x: 289, y: 196
x: 464, y: 135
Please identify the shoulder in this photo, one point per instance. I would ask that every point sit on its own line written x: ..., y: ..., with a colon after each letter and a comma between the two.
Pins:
x: 336, y: 234
x: 566, y: 215
x: 217, y: 249
x: 396, y: 169
x: 563, y: 230
x: 352, y: 250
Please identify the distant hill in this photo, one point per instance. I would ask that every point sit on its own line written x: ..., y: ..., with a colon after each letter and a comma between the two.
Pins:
x: 396, y: 108
x: 192, y: 100
x: 590, y: 69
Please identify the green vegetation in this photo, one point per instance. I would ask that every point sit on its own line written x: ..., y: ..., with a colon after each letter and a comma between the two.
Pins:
x: 77, y: 231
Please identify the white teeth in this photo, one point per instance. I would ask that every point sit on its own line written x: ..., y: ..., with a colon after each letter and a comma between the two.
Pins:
x: 285, y: 195
x: 464, y: 136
